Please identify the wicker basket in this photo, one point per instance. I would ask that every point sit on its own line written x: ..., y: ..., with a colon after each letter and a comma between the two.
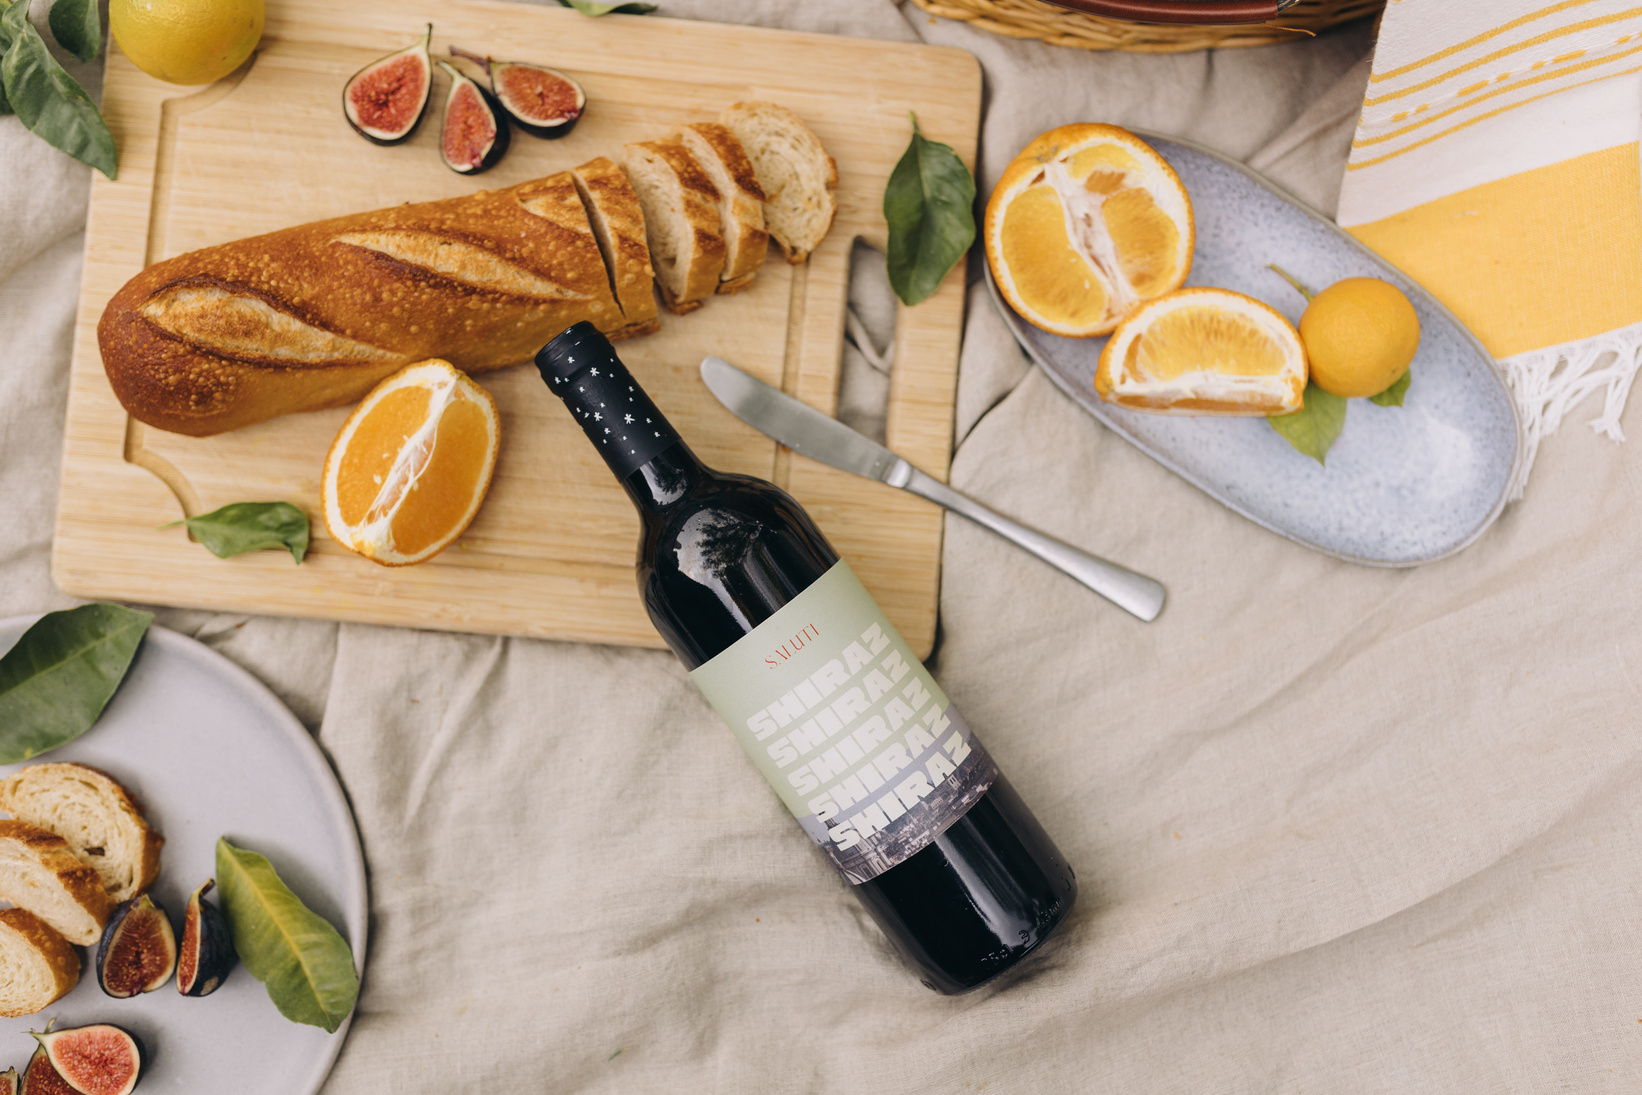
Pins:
x: 1038, y: 19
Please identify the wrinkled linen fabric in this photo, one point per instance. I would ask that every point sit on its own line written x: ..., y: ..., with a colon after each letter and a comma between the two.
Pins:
x: 1337, y: 829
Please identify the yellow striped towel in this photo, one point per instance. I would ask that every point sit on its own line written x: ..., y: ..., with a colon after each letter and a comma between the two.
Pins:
x: 1496, y: 162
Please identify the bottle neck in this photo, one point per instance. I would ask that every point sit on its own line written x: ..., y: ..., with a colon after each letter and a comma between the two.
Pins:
x: 665, y: 479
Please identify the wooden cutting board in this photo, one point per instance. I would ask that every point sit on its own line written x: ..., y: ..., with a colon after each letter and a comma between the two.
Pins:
x: 551, y: 553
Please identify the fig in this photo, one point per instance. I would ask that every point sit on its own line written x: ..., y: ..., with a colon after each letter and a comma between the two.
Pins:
x: 39, y: 1078
x: 8, y: 1082
x: 138, y: 950
x: 95, y: 1060
x: 385, y: 100
x: 475, y: 133
x: 207, y: 952
x: 543, y: 101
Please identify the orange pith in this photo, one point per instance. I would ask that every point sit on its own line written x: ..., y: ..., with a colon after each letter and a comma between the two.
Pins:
x: 375, y: 446
x: 411, y: 465
x: 1084, y: 225
x: 1047, y: 269
x: 1204, y: 351
x: 448, y: 480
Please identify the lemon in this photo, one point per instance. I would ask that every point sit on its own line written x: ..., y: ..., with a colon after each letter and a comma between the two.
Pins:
x: 1360, y: 334
x: 186, y: 41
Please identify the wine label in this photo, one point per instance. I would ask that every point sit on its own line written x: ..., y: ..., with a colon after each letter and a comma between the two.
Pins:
x: 849, y: 728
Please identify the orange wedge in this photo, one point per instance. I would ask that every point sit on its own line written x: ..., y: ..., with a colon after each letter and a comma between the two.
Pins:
x: 1204, y: 351
x: 1085, y: 224
x: 410, y: 466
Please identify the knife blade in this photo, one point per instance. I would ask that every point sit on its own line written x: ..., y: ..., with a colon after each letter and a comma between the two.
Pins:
x: 800, y: 427
x: 806, y: 430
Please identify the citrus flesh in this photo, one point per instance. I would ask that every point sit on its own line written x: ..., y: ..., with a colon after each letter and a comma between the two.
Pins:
x: 1360, y: 335
x: 1085, y: 224
x: 410, y: 467
x: 186, y: 41
x: 1204, y: 352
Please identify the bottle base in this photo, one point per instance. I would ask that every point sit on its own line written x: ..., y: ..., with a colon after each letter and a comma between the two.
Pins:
x: 978, y: 899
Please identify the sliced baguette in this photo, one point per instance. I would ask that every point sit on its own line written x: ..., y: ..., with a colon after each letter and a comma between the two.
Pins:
x: 37, y: 965
x: 740, y: 200
x: 618, y: 224
x: 39, y: 873
x: 681, y: 220
x: 317, y: 315
x: 794, y: 171
x: 100, y: 820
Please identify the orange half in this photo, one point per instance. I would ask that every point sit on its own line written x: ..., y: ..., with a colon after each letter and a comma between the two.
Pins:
x: 1086, y: 224
x: 1204, y: 351
x: 410, y: 467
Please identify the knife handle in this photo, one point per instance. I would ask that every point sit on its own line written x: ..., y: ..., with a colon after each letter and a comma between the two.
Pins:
x: 1134, y: 593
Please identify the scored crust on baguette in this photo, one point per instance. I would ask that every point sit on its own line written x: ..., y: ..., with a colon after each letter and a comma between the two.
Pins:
x: 316, y: 315
x: 101, y: 821
x: 740, y: 200
x: 681, y: 220
x: 37, y: 965
x: 618, y: 224
x: 39, y: 873
x: 794, y: 170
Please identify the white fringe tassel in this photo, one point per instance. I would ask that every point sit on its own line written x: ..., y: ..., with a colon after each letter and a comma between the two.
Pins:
x: 1551, y: 382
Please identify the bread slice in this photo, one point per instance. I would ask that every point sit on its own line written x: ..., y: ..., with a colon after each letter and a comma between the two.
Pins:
x: 101, y: 821
x: 618, y: 224
x: 740, y: 200
x: 794, y: 170
x: 37, y: 965
x: 39, y: 873
x: 681, y: 221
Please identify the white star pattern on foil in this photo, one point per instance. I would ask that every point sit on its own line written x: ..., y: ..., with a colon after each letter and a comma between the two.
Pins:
x: 597, y: 417
x: 594, y: 371
x: 627, y: 418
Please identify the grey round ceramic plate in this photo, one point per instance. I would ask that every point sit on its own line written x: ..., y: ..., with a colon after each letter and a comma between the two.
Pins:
x: 211, y: 752
x: 1403, y: 485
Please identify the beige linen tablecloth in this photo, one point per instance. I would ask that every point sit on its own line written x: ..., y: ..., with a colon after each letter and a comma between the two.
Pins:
x: 1337, y: 829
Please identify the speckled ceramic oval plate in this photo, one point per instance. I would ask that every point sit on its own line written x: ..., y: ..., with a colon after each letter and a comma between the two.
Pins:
x: 1403, y: 485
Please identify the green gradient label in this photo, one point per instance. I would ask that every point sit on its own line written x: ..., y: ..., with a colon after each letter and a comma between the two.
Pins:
x: 848, y: 727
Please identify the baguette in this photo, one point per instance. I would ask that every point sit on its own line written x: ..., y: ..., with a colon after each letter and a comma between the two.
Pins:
x: 794, y: 171
x: 40, y: 874
x: 314, y: 316
x: 740, y: 201
x: 100, y: 820
x: 681, y: 219
x: 618, y: 224
x: 37, y: 965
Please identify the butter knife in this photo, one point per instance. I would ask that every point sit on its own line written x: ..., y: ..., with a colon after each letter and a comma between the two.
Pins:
x: 806, y: 430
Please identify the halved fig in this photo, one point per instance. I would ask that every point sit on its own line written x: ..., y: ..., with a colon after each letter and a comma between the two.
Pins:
x: 386, y: 99
x: 475, y: 132
x: 543, y: 101
x: 39, y: 1078
x: 95, y: 1060
x: 207, y: 952
x: 138, y: 949
x: 8, y: 1082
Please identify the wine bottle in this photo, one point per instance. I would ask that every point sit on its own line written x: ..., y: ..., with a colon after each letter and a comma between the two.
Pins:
x: 826, y: 697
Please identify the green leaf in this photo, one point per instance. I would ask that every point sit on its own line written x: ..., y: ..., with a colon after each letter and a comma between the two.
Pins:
x: 77, y: 26
x: 48, y: 100
x: 249, y: 526
x: 593, y: 7
x: 1393, y: 396
x: 295, y: 952
x: 1313, y: 428
x: 55, y: 682
x: 929, y: 205
x: 6, y: 35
